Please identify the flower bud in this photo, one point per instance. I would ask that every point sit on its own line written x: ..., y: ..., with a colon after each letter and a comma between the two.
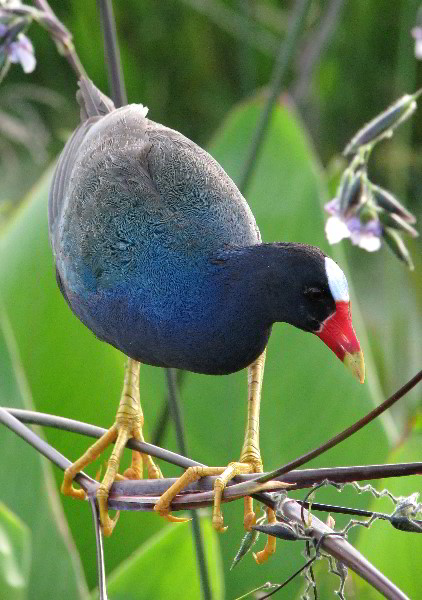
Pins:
x: 396, y: 222
x: 396, y: 244
x: 383, y: 124
x: 388, y: 202
x: 350, y: 193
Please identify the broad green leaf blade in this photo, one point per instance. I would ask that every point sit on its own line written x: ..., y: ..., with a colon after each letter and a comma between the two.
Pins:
x: 166, y: 567
x: 27, y: 487
x: 15, y: 555
x: 396, y: 553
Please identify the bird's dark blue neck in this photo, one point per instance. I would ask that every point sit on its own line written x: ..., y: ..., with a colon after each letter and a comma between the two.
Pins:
x: 263, y: 279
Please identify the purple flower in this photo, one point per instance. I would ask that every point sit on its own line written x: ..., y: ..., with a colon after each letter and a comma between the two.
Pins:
x: 21, y: 51
x: 15, y: 46
x: 365, y: 235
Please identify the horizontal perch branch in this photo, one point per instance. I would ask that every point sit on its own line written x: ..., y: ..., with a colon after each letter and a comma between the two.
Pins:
x: 333, y: 543
x: 299, y: 479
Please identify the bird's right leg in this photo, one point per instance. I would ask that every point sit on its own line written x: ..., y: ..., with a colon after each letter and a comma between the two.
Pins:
x: 128, y: 423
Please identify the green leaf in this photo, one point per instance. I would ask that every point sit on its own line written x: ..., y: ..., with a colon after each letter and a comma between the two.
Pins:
x: 166, y: 567
x: 26, y: 486
x: 15, y: 555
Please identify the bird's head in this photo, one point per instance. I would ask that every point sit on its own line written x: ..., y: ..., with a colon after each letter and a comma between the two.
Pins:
x: 319, y: 302
x: 335, y: 329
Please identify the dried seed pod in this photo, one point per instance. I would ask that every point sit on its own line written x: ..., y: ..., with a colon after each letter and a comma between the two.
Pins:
x: 388, y: 202
x: 279, y: 530
x: 393, y: 220
x: 382, y: 124
x: 396, y: 244
x: 405, y: 524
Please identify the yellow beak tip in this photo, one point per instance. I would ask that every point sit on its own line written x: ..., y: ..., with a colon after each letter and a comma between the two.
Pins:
x: 356, y: 364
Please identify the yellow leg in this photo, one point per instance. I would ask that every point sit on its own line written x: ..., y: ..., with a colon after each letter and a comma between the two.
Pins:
x: 250, y: 462
x: 249, y: 517
x: 88, y: 457
x: 128, y: 423
x: 251, y: 453
x: 269, y: 549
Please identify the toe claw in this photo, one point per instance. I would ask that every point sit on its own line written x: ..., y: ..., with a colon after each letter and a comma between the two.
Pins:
x: 173, y: 519
x: 166, y: 514
x: 217, y: 523
x: 73, y: 492
x: 108, y: 524
x: 263, y: 555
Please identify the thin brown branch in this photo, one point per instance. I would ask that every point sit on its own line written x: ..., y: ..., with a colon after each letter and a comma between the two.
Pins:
x: 47, y: 420
x: 102, y: 587
x: 301, y: 478
x: 32, y: 438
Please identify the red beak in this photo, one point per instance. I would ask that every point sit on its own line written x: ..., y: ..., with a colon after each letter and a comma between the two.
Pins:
x: 338, y: 334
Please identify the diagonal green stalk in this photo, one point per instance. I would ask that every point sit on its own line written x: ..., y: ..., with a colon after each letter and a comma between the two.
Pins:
x: 286, y: 52
x: 112, y: 53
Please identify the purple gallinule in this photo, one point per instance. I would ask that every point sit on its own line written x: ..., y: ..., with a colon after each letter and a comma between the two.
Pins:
x: 158, y: 253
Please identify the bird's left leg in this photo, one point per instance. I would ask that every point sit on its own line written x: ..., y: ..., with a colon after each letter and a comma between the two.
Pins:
x: 251, y: 454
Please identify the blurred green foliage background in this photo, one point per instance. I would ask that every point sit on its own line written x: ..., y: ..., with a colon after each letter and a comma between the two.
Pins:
x: 189, y: 61
x: 202, y: 68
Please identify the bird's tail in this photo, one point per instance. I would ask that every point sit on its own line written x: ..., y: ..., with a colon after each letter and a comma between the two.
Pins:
x: 93, y: 103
